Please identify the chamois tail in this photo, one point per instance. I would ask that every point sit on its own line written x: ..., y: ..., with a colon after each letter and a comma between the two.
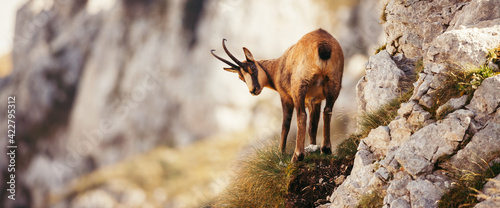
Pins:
x: 324, y: 51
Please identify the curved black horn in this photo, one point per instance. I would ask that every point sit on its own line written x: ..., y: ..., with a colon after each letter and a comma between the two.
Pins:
x: 224, y: 60
x: 231, y: 55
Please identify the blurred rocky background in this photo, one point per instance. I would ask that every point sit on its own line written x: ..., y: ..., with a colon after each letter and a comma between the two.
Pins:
x: 120, y: 103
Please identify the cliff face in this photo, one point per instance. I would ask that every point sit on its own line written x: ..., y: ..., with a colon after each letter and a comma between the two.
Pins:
x: 408, y: 162
x: 97, y: 82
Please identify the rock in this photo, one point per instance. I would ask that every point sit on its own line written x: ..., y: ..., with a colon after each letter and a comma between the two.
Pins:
x: 380, y: 84
x: 400, y: 203
x: 362, y: 159
x: 397, y: 186
x: 425, y: 146
x: 419, y: 118
x: 453, y: 103
x: 486, y: 99
x: 491, y: 189
x: 490, y: 196
x: 406, y: 108
x: 475, y: 13
x: 355, y: 185
x: 390, y: 162
x: 411, y: 25
x: 339, y: 180
x: 311, y: 148
x: 423, y: 194
x: 383, y: 174
x: 482, y: 146
x: 378, y: 141
x: 400, y: 132
x: 473, y: 45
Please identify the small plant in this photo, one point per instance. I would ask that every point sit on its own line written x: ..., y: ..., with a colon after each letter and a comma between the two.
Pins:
x: 384, y: 115
x: 347, y: 149
x: 381, y: 48
x: 494, y: 55
x: 466, y: 187
x: 457, y: 82
x: 372, y: 200
x: 383, y: 16
x: 446, y: 109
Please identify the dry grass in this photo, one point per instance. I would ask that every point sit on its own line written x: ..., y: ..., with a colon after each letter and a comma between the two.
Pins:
x: 374, y: 199
x: 467, y: 185
x: 458, y: 82
x: 261, y: 180
x: 5, y: 65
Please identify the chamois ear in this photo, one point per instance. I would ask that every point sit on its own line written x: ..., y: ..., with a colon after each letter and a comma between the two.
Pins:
x: 248, y: 55
x: 231, y: 70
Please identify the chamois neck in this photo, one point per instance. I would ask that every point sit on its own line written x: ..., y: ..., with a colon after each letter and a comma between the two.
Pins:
x: 270, y: 67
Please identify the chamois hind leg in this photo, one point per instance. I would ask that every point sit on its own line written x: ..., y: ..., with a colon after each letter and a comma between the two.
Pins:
x: 331, y: 97
x: 299, y: 102
x: 287, y: 106
x: 314, y: 113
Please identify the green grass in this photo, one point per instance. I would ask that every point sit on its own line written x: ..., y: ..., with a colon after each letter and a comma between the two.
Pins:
x: 458, y: 82
x: 381, y: 48
x: 373, y: 199
x: 383, y: 16
x: 467, y: 186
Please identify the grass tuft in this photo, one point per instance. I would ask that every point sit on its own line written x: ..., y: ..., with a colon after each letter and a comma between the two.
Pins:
x: 260, y: 181
x: 373, y: 199
x: 466, y: 187
x: 384, y: 115
x: 381, y: 48
x: 383, y: 16
x: 459, y: 82
x: 494, y: 55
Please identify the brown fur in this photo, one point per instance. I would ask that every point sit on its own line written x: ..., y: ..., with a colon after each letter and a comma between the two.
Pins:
x: 303, y: 80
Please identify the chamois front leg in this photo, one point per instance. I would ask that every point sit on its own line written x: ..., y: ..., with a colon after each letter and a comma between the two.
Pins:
x: 287, y: 105
x: 314, y: 114
x: 299, y: 101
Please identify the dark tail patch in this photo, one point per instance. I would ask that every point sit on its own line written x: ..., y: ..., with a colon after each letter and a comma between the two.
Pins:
x: 324, y: 51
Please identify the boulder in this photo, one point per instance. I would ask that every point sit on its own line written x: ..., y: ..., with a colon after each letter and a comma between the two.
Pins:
x: 380, y: 84
x: 482, y: 146
x: 378, y: 141
x: 425, y: 146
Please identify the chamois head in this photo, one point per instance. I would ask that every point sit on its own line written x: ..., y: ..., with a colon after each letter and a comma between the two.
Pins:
x: 249, y: 70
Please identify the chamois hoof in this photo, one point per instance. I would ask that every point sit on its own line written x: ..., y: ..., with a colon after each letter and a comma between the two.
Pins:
x: 298, y: 158
x: 326, y: 150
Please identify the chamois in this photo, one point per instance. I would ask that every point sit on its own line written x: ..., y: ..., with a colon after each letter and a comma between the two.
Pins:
x: 309, y: 72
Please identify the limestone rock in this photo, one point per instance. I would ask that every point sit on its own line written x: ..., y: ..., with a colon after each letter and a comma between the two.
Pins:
x: 380, y: 84
x: 378, y: 141
x: 475, y: 13
x: 486, y: 99
x: 453, y: 103
x: 473, y: 45
x: 423, y: 148
x: 400, y: 132
x: 481, y: 147
x: 490, y: 196
x: 362, y: 159
x: 423, y: 194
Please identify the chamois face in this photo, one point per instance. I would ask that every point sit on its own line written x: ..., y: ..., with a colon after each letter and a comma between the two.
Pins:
x: 249, y: 71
